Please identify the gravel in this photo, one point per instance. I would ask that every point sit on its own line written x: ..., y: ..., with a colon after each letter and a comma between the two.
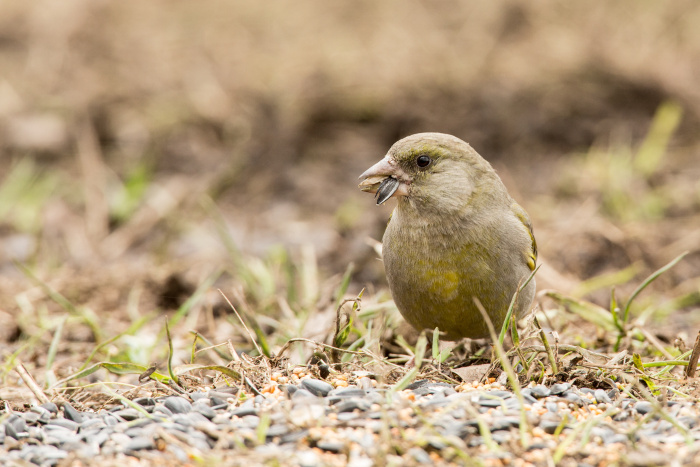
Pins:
x: 301, y: 424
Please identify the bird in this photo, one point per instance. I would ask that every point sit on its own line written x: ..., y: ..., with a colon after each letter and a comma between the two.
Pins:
x: 456, y: 239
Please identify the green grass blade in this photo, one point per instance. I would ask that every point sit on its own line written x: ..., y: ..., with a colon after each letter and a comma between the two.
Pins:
x: 648, y: 281
x: 172, y: 374
x: 117, y: 369
x: 436, y: 343
x: 511, y: 307
x: 181, y: 369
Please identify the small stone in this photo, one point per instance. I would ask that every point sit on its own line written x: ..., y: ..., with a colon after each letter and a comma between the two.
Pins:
x: 643, y: 407
x: 365, y: 383
x: 128, y: 414
x: 602, y: 397
x: 540, y: 391
x: 420, y: 456
x: 62, y: 422
x: 177, y: 404
x: 31, y: 417
x: 559, y: 388
x: 217, y: 404
x: 289, y: 389
x: 198, y: 395
x: 316, y: 387
x: 204, y: 410
x: 350, y: 405
x: 343, y: 393
x: 70, y: 413
x: 44, y: 415
x: 549, y: 426
x: 162, y: 411
x: 575, y: 398
x: 528, y: 398
x: 244, y: 411
x: 294, y: 436
x: 145, y: 401
x: 139, y: 444
x: 50, y: 406
x: 330, y: 446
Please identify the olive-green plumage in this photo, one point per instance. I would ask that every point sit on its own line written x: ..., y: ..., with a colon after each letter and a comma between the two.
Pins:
x: 455, y: 235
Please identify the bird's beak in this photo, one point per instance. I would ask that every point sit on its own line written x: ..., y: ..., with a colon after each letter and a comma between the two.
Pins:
x: 386, y: 179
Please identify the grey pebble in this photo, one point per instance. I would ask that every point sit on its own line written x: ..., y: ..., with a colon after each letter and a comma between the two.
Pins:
x: 110, y: 420
x: 198, y: 395
x: 344, y: 393
x: 294, y: 436
x: 62, y: 422
x: 205, y: 410
x: 303, y: 395
x: 145, y: 401
x: 420, y: 456
x: 138, y: 444
x: 330, y: 446
x: 289, y: 389
x: 128, y: 414
x: 502, y: 437
x: 602, y: 396
x: 44, y: 415
x: 540, y: 391
x: 70, y: 413
x: 575, y: 398
x: 347, y: 417
x: 31, y: 417
x: 93, y: 423
x: 365, y: 383
x: 244, y: 411
x: 277, y: 430
x: 490, y: 403
x: 17, y: 423
x: 217, y: 397
x: 316, y: 387
x: 529, y: 398
x: 11, y: 432
x: 217, y: 404
x: 549, y: 426
x: 163, y: 411
x: 559, y: 388
x: 353, y: 404
x: 602, y: 432
x: 50, y: 406
x: 177, y: 404
x: 643, y: 407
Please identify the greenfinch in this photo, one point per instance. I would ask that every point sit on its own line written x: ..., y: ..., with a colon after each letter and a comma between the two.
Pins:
x: 455, y: 236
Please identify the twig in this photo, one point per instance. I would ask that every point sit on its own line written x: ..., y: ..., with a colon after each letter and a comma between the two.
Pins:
x: 693, y: 362
x: 656, y: 343
x: 320, y: 344
x: 31, y: 383
x: 234, y: 354
x: 250, y: 334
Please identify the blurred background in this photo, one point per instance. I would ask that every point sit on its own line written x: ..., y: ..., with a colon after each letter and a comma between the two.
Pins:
x: 150, y: 148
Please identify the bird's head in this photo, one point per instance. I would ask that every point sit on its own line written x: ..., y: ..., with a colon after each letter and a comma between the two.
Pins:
x: 432, y: 170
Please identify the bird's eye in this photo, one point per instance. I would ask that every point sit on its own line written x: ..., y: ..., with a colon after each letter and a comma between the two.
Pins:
x: 423, y: 161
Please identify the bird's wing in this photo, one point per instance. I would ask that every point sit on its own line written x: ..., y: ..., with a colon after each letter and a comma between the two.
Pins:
x: 525, y: 219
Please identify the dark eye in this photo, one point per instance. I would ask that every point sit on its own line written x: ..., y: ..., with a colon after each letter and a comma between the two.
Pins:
x: 423, y: 161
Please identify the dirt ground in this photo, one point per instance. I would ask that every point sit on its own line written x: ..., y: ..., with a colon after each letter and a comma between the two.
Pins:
x: 147, y: 147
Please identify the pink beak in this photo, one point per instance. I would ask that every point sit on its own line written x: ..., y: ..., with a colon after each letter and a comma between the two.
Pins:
x: 386, y: 179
